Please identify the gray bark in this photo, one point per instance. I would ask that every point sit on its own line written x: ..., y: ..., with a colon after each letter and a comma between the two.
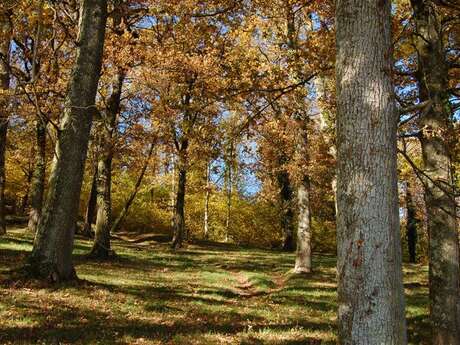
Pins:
x: 37, y: 187
x: 439, y: 187
x: 101, y: 246
x: 5, y: 32
x: 303, y: 252
x: 51, y: 257
x: 370, y: 289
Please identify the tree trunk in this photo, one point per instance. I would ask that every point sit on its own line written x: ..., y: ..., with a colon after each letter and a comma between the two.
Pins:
x: 179, y: 219
x: 287, y: 214
x: 173, y: 191
x: 229, y: 191
x: 411, y: 227
x: 51, y: 257
x: 117, y: 223
x: 6, y: 32
x: 303, y: 252
x: 370, y: 288
x: 439, y: 187
x: 206, y: 201
x: 37, y: 188
x: 101, y: 246
x: 90, y: 213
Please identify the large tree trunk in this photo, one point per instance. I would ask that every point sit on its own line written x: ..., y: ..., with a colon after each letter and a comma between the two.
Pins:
x: 101, y: 246
x: 5, y: 34
x: 179, y: 218
x: 370, y: 288
x: 90, y: 213
x: 411, y: 226
x: 51, y: 256
x: 303, y: 252
x: 439, y: 188
x: 37, y: 188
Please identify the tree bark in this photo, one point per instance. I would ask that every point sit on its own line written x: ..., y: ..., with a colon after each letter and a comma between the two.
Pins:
x: 5, y: 32
x: 51, y: 256
x: 37, y: 187
x: 287, y: 214
x: 229, y: 190
x: 439, y: 186
x: 90, y: 213
x: 179, y: 217
x: 101, y: 246
x: 370, y: 288
x: 411, y: 226
x: 303, y: 252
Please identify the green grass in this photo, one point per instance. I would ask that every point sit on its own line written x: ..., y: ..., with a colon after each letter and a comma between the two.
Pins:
x: 205, y: 294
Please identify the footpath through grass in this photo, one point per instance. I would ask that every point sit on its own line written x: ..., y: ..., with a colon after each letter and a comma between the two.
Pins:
x: 204, y: 294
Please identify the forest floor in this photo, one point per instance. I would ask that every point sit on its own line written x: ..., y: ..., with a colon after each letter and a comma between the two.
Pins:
x: 204, y: 294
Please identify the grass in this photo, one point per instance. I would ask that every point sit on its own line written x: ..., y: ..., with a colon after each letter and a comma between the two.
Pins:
x: 205, y: 294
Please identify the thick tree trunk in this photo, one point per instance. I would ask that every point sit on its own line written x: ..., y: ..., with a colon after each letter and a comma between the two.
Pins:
x: 37, y: 188
x: 206, y: 201
x: 179, y: 219
x: 303, y: 252
x: 411, y: 226
x: 439, y: 188
x: 287, y: 214
x: 101, y: 246
x: 90, y: 213
x: 370, y: 288
x: 5, y: 32
x: 51, y: 257
x: 117, y: 223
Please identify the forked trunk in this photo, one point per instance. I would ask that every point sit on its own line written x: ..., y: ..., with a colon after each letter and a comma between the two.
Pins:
x: 101, y: 247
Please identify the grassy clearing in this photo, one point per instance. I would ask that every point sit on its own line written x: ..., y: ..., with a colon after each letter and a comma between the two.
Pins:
x: 205, y: 294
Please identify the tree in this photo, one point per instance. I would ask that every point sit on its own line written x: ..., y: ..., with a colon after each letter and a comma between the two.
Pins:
x: 101, y: 246
x: 51, y: 257
x: 435, y: 125
x: 5, y: 36
x: 370, y: 289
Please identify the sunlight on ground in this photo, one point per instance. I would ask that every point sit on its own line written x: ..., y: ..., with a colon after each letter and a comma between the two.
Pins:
x: 200, y: 295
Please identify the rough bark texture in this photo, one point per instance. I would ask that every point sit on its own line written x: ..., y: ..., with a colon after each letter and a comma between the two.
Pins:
x: 370, y: 289
x: 101, y: 246
x: 411, y: 226
x: 179, y: 216
x: 303, y: 252
x: 51, y: 256
x: 90, y: 213
x: 5, y: 32
x: 37, y: 186
x: 439, y: 199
